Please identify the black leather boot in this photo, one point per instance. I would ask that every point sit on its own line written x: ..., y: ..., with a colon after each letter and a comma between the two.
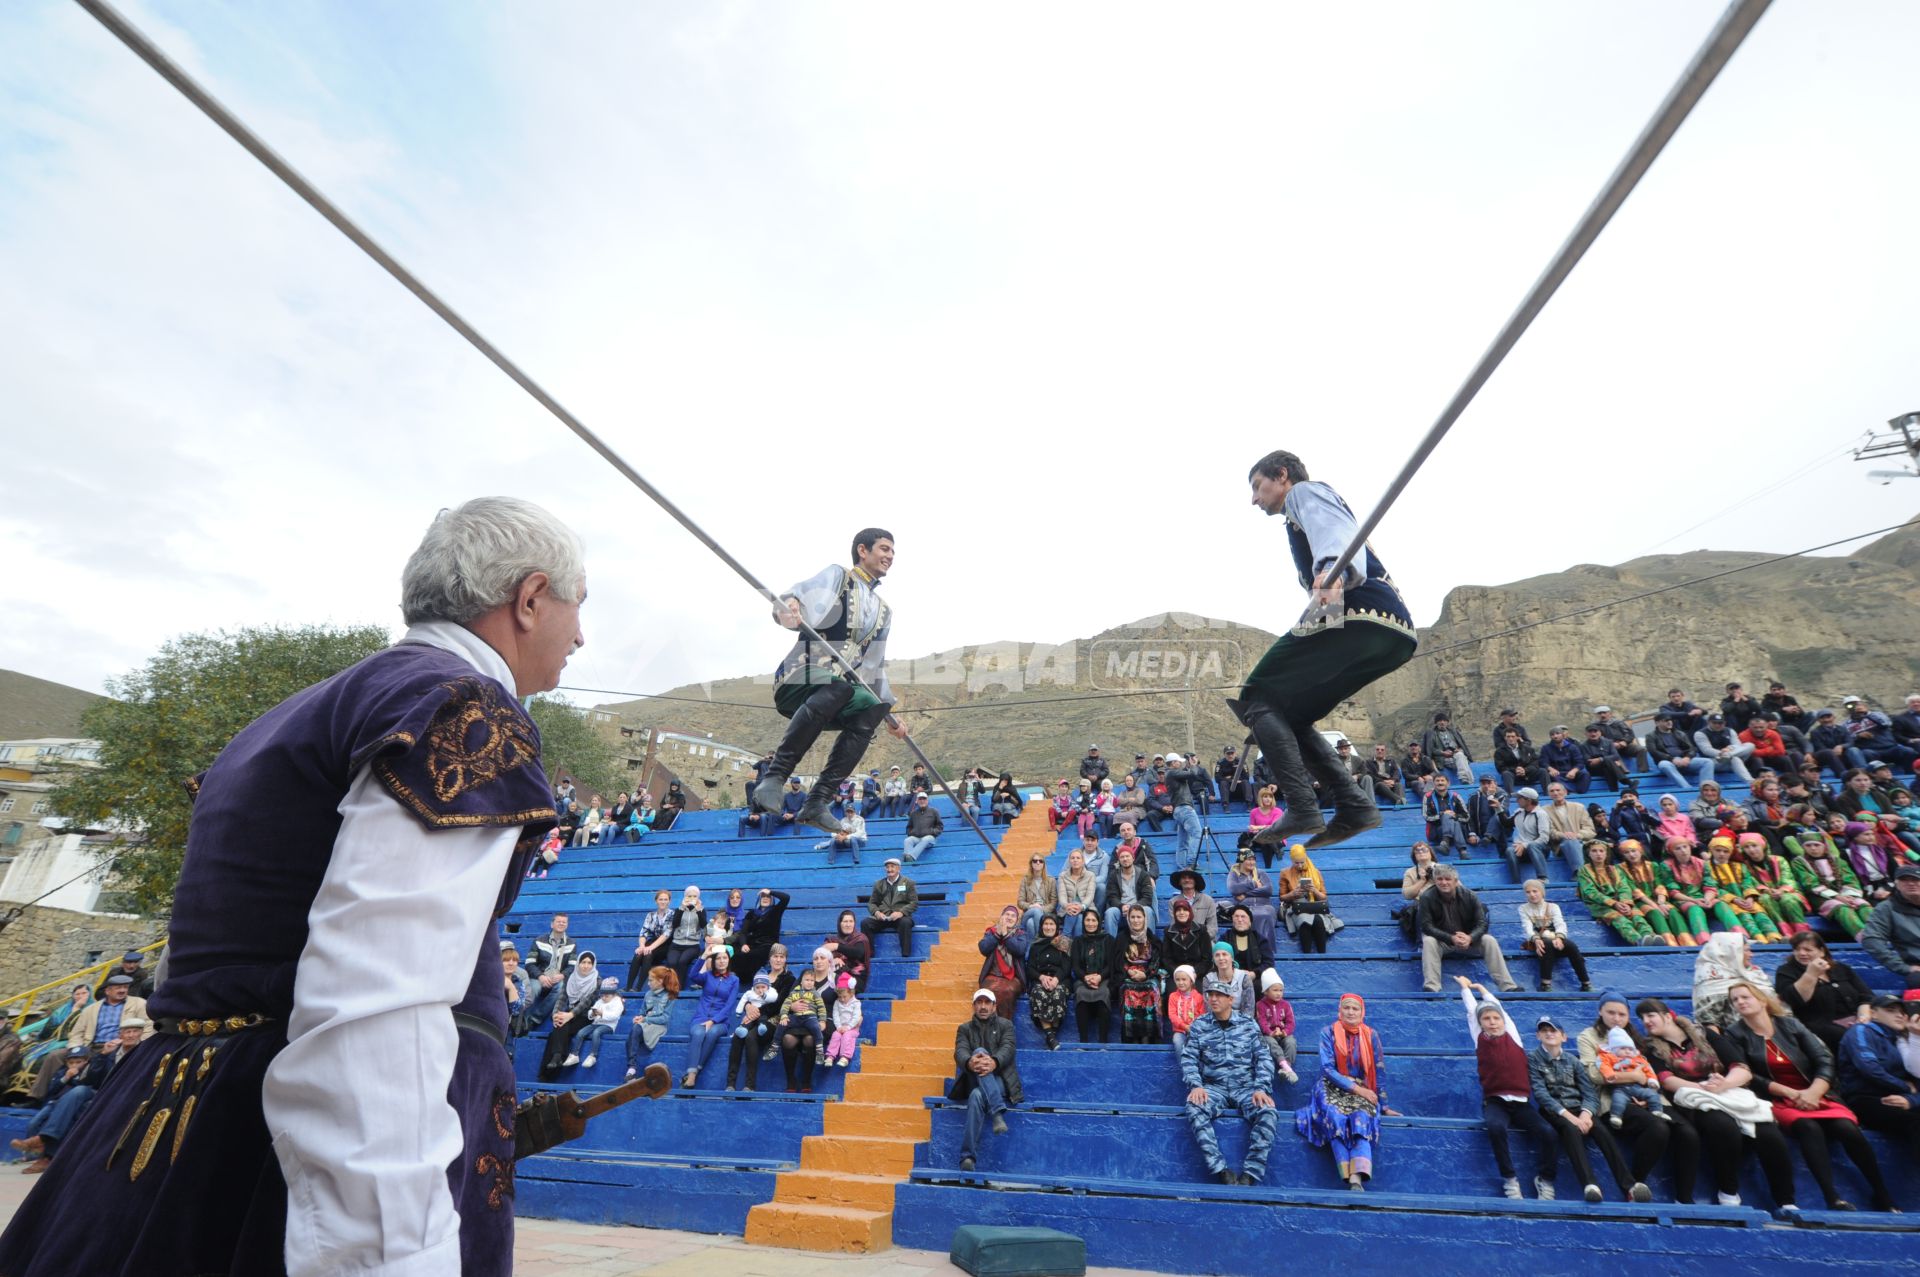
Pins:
x: 844, y: 757
x: 814, y: 716
x: 1353, y: 812
x: 1282, y: 750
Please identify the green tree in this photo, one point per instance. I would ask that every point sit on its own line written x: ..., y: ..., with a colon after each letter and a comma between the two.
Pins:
x: 570, y: 746
x: 170, y: 719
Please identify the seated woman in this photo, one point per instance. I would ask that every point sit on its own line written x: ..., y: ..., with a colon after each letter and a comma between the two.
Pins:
x: 1006, y: 800
x: 1738, y: 891
x: 1826, y: 995
x: 1185, y: 942
x: 1265, y: 812
x: 1825, y: 878
x: 1243, y: 981
x: 1249, y: 954
x: 1417, y: 878
x: 1003, y: 965
x: 1543, y: 933
x: 1649, y: 897
x: 1049, y: 975
x: 852, y: 951
x: 1725, y: 959
x: 1793, y: 1069
x: 1092, y: 961
x: 1709, y: 811
x: 1303, y: 893
x: 1779, y: 894
x: 1690, y: 889
x: 1733, y: 1123
x: 1344, y: 1114
x: 1650, y: 1133
x: 1608, y: 896
x: 1249, y: 887
x: 1105, y: 812
x: 578, y: 992
x: 1038, y: 895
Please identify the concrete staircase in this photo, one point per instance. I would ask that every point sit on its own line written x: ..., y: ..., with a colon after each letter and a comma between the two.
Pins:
x: 841, y: 1197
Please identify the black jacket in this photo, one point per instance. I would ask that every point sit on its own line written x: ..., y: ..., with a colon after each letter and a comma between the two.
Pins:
x: 1094, y: 769
x: 1193, y: 949
x: 925, y: 822
x: 1738, y: 1044
x: 1440, y: 917
x: 1430, y: 742
x: 1669, y: 747
x: 1526, y: 758
x: 995, y: 1037
x: 1500, y: 731
x: 763, y: 929
x: 1048, y: 959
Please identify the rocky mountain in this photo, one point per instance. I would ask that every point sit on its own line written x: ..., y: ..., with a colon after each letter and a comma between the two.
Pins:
x: 1824, y: 626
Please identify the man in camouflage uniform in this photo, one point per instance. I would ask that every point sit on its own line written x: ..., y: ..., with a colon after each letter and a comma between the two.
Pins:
x: 1226, y: 1065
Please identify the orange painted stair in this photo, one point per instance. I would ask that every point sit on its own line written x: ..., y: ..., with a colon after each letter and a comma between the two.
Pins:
x: 841, y: 1198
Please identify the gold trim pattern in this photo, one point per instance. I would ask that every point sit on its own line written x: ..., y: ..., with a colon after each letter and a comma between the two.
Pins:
x: 180, y: 1131
x: 507, y: 741
x: 149, y: 1141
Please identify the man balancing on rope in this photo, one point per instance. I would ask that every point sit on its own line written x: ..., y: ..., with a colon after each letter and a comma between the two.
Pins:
x: 328, y: 1090
x: 814, y: 694
x: 1358, y: 630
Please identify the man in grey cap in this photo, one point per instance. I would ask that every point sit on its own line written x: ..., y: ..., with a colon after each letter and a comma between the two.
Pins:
x: 986, y: 1078
x: 1892, y: 934
x: 1226, y: 1065
x: 1532, y: 836
x: 131, y: 966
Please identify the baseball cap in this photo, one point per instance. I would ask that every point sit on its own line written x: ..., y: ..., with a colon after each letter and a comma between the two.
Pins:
x: 1508, y: 709
x: 1889, y: 1002
x: 988, y: 994
x: 1603, y: 709
x: 1529, y: 793
x: 1849, y: 700
x: 1548, y: 1022
x: 1908, y: 870
x: 761, y: 977
x: 1216, y: 985
x: 1175, y: 758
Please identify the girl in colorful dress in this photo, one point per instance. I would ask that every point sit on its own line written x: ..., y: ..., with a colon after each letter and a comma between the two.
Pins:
x: 1345, y: 1112
x: 1649, y: 897
x: 1608, y: 896
x: 1779, y: 893
x: 1739, y: 892
x: 1826, y: 879
x: 1690, y: 889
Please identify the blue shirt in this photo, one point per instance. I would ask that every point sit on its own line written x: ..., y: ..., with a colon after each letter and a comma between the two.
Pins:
x: 109, y: 1027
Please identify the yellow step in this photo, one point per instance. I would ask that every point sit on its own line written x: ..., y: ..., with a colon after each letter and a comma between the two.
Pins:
x: 891, y: 1121
x: 857, y: 1154
x: 902, y: 1033
x: 834, y: 1188
x: 807, y: 1226
x: 895, y: 1088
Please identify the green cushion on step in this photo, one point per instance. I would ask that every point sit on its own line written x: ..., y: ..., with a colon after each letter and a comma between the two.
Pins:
x: 988, y: 1251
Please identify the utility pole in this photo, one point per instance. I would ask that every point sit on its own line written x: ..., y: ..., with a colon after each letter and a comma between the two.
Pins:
x: 1901, y: 439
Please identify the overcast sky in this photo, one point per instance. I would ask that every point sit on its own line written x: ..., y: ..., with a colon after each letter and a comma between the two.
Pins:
x: 1030, y: 285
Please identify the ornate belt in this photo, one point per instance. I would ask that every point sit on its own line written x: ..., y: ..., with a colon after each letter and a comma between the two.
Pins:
x: 211, y: 1028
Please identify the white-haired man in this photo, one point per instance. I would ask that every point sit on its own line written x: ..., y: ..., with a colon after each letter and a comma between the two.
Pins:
x: 333, y: 1010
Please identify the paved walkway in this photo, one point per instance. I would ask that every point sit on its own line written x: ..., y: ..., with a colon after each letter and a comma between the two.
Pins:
x: 558, y: 1248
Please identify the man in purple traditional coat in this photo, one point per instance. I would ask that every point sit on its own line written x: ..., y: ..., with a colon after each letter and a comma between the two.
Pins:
x: 328, y: 1089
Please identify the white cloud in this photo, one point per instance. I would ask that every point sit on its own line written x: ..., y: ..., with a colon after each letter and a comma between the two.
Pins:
x: 1031, y: 287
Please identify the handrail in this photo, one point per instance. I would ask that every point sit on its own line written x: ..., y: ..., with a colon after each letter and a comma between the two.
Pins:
x: 83, y: 975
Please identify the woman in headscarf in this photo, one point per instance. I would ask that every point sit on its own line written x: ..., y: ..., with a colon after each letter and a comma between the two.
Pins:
x: 670, y: 807
x: 1007, y: 802
x: 1824, y: 876
x: 1726, y: 958
x: 1310, y: 918
x: 1138, y: 946
x: 1779, y: 893
x: 1092, y: 959
x: 1793, y: 1069
x: 1648, y: 897
x: 1049, y: 973
x: 1733, y: 1123
x: 1249, y: 953
x: 578, y: 992
x: 1672, y: 823
x: 736, y: 909
x: 48, y: 1034
x: 1344, y: 1114
x: 1185, y: 942
x: 689, y: 935
x: 1609, y: 897
x: 1003, y: 961
x: 1242, y: 980
x: 1253, y: 890
x: 759, y: 932
x: 852, y: 949
x: 1039, y: 891
x: 1649, y: 1135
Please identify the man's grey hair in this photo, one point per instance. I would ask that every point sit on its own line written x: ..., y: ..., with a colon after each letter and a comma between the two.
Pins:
x: 1445, y: 871
x: 476, y: 555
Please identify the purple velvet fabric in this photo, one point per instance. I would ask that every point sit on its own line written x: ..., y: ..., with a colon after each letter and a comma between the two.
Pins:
x: 457, y: 751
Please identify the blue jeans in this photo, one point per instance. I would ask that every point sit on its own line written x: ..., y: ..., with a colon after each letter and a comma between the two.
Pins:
x: 833, y: 847
x: 588, y: 1043
x: 913, y: 848
x: 1186, y: 823
x: 702, y: 1038
x: 1450, y: 834
x: 1536, y: 859
x: 987, y: 1101
x: 57, y: 1117
x: 543, y: 1002
x: 1702, y: 770
x: 1573, y: 854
